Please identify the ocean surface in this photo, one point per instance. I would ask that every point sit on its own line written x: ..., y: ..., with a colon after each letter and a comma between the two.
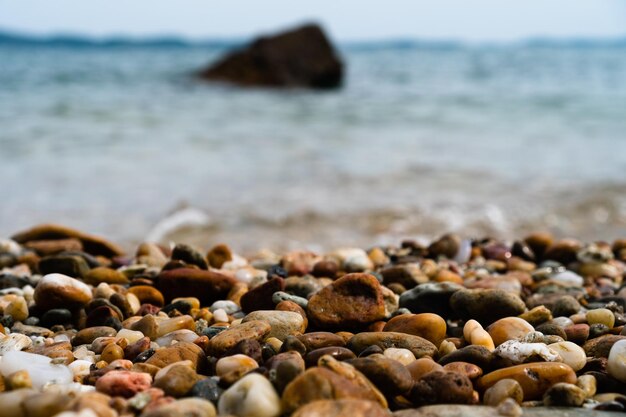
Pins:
x: 422, y: 139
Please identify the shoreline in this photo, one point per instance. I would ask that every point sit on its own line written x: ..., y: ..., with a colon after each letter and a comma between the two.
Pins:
x: 450, y: 324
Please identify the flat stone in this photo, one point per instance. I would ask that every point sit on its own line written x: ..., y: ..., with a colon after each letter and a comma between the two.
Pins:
x: 390, y: 376
x: 486, y: 306
x: 417, y: 345
x: 228, y: 339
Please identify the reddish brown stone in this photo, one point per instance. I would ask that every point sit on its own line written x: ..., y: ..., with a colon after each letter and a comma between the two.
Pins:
x: 260, y: 298
x: 207, y: 286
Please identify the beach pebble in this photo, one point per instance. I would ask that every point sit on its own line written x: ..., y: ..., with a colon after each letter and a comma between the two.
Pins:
x: 260, y: 297
x: 341, y: 408
x: 251, y: 396
x: 564, y: 395
x: 186, y: 407
x: 442, y: 387
x: 207, y: 286
x: 534, y: 378
x: 431, y: 327
x: 235, y: 363
x: 180, y: 351
x: 431, y: 297
x: 352, y: 259
x: 123, y: 383
x: 14, y: 342
x: 588, y: 384
x: 509, y: 328
x: 60, y: 291
x: 351, y: 301
x: 418, y: 346
x: 228, y: 339
x: 474, y: 334
x: 503, y: 389
x: 176, y: 379
x: 616, y: 365
x: 571, y: 354
x: 283, y: 323
x: 601, y: 316
x: 39, y: 368
x: 486, y: 305
x: 390, y: 376
x: 516, y: 352
x: 404, y: 356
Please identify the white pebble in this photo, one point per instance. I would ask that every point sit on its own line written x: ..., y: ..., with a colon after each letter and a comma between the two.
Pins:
x: 572, y: 354
x: 404, y: 356
x: 251, y: 396
x: 220, y: 315
x: 39, y: 368
x: 131, y: 335
x: 616, y: 365
x: 517, y: 352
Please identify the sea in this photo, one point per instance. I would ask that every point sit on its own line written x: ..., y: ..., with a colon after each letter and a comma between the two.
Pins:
x: 119, y: 139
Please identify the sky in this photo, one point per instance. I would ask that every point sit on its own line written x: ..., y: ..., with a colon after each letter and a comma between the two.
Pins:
x: 467, y: 20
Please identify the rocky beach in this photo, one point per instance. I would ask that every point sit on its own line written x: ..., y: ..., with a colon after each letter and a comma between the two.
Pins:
x: 533, y: 326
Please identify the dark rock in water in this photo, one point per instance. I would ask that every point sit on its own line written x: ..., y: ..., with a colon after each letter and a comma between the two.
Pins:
x: 302, y: 57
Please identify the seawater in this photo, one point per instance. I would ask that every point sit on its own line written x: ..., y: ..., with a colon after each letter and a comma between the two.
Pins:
x: 480, y: 139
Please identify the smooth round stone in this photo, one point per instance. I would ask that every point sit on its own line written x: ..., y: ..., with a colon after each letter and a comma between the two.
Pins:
x: 564, y: 395
x: 486, y: 305
x: 351, y: 301
x: 474, y: 334
x: 220, y: 316
x: 186, y: 407
x: 103, y: 274
x: 431, y: 297
x: 341, y: 408
x: 283, y: 323
x: 61, y: 291
x: 88, y: 335
x: 503, y: 389
x: 18, y: 309
x: 516, y: 352
x: 339, y: 353
x: 534, y: 378
x: 112, y: 352
x: 478, y: 355
x: 417, y: 345
x: 509, y: 328
x: 184, y: 335
x: 39, y: 368
x: 569, y: 278
x: 176, y: 379
x: 537, y: 315
x: 421, y: 367
x: 616, y: 365
x: 468, y: 369
x: 228, y: 339
x: 442, y: 387
x: 390, y: 376
x: 251, y: 396
x: 123, y: 383
x: 228, y: 306
x: 208, y: 389
x: 131, y: 335
x: 427, y: 325
x: 566, y: 306
x: 572, y: 354
x: 56, y: 316
x: 601, y: 316
x: 280, y: 296
x: 588, y: 384
x: 577, y: 333
x: 239, y: 363
x: 404, y: 356
x: 80, y: 368
x: 600, y: 347
x: 179, y: 352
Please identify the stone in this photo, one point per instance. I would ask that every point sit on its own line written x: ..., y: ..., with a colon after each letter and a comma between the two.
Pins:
x: 537, y: 315
x: 103, y: 274
x: 228, y: 339
x: 301, y: 57
x: 452, y: 410
x: 577, y: 333
x: 18, y: 309
x: 207, y: 389
x: 88, y: 335
x: 442, y: 387
x: 339, y: 353
x: 465, y: 368
x: 320, y: 383
x: 486, y: 305
x: 601, y: 316
x: 260, y: 297
x: 446, y: 246
x: 123, y: 383
x: 534, y: 378
x: 218, y: 255
x: 14, y: 342
x: 61, y: 291
x: 207, y: 286
x: 566, y: 306
x: 509, y: 328
x: 601, y: 346
x: 390, y: 376
x: 571, y: 354
x: 52, y: 247
x: 70, y: 265
x: 147, y: 294
x: 418, y: 346
x: 189, y: 255
x: 235, y: 363
x: 514, y: 352
x: 186, y: 407
x: 284, y: 368
x: 91, y: 244
x: 176, y: 379
x: 427, y: 325
x: 474, y: 334
x: 616, y: 365
x: 179, y: 352
x: 588, y: 384
x: 478, y: 355
x: 404, y: 356
x: 352, y: 301
x: 18, y: 379
x: 503, y: 389
x: 316, y: 340
x: 432, y: 297
x: 407, y: 275
x: 251, y: 396
x: 564, y: 395
x: 341, y: 408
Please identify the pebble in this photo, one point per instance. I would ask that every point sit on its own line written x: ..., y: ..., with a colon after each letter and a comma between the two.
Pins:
x: 351, y: 302
x: 509, y: 328
x: 616, y: 365
x: 235, y: 363
x: 123, y: 383
x: 207, y: 286
x: 283, y: 323
x: 404, y: 356
x: 601, y: 316
x: 486, y: 305
x: 564, y: 395
x: 418, y: 346
x: 390, y: 376
x: 39, y: 368
x: 228, y: 339
x: 251, y: 396
x: 534, y: 378
x: 61, y: 291
x: 176, y: 379
x: 503, y: 389
x: 341, y: 408
x: 515, y: 352
x: 431, y: 327
x: 571, y: 354
x: 186, y: 407
x: 442, y: 387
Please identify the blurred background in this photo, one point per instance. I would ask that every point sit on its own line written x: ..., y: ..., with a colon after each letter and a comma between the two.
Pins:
x: 485, y: 118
